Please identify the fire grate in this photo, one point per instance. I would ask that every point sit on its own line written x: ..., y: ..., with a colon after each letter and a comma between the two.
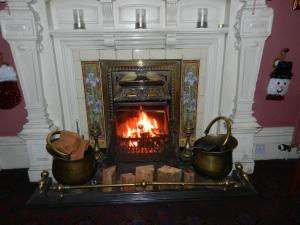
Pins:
x: 143, y: 146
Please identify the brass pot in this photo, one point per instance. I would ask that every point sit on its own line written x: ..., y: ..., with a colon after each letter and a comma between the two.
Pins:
x: 74, y: 172
x: 71, y: 172
x: 212, y: 154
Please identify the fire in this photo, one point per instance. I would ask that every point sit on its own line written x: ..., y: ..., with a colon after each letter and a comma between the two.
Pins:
x: 141, y: 126
x: 141, y: 131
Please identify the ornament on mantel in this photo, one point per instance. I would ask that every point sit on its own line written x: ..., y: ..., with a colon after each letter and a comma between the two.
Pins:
x: 10, y: 95
x: 280, y: 77
x: 254, y: 6
x: 5, y: 5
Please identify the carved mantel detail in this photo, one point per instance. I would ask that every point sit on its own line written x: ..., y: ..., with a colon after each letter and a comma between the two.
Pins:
x: 108, y: 13
x: 171, y: 13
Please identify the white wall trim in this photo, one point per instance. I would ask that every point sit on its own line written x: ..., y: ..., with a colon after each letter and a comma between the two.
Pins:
x: 266, y: 143
x: 13, y: 153
x: 275, y: 131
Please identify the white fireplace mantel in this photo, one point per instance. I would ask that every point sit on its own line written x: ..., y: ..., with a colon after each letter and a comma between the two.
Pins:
x: 42, y: 39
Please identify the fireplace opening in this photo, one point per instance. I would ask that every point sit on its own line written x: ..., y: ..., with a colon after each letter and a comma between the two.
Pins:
x: 142, y: 130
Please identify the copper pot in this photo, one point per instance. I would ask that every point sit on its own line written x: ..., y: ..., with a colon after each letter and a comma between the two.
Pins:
x: 71, y: 172
x: 212, y: 154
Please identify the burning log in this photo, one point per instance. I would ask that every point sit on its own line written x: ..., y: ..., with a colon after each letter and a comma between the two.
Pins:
x: 144, y: 173
x: 127, y: 178
x: 169, y: 174
x: 71, y: 144
x: 109, y: 177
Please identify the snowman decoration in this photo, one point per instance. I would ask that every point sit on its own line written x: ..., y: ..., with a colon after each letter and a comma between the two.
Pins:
x: 280, y: 77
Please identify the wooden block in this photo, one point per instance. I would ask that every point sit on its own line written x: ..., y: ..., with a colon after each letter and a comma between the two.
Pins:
x: 144, y: 173
x: 109, y: 177
x: 68, y: 142
x: 71, y: 140
x: 188, y: 176
x: 169, y: 174
x: 79, y: 153
x: 127, y: 178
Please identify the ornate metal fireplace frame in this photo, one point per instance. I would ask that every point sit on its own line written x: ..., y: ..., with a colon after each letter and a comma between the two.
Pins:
x: 173, y: 67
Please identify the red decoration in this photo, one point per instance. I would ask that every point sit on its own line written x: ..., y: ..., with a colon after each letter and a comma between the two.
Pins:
x: 10, y: 95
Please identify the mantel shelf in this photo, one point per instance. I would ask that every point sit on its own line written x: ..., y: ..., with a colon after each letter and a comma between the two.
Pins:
x: 140, y: 32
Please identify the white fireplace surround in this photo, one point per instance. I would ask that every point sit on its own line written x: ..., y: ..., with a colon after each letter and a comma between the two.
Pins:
x: 44, y: 46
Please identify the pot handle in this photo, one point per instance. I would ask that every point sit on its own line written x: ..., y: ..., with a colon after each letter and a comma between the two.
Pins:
x: 228, y: 127
x: 55, y: 150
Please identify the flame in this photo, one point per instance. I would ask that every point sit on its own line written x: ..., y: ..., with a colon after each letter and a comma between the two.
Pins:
x: 133, y: 144
x: 141, y: 126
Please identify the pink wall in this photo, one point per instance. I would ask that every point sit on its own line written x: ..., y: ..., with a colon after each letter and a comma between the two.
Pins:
x: 11, y: 121
x: 285, y: 33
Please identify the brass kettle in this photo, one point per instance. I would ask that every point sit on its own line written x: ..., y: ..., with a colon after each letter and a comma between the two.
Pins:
x: 212, y: 154
x: 70, y: 172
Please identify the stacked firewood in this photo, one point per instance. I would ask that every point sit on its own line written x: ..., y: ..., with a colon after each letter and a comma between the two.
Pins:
x: 147, y: 173
x: 72, y: 144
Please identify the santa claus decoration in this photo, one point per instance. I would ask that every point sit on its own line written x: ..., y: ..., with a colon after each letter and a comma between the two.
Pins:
x: 10, y: 95
x: 280, y: 77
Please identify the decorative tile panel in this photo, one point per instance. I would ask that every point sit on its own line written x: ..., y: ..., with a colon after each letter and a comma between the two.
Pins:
x: 94, y: 98
x: 189, y: 96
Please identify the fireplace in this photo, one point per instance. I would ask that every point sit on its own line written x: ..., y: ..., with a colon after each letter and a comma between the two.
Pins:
x: 142, y: 108
x: 48, y: 53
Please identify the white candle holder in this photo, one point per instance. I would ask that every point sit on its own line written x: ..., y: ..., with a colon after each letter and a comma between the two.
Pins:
x: 202, y: 17
x: 78, y: 19
x: 140, y: 18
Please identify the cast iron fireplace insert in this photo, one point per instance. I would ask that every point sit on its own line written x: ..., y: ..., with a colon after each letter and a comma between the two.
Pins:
x: 142, y: 109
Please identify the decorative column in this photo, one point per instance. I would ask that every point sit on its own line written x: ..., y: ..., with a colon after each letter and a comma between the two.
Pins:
x: 21, y: 31
x: 253, y: 27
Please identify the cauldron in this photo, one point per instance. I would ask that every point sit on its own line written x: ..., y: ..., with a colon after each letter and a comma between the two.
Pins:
x: 212, y: 154
x: 71, y: 172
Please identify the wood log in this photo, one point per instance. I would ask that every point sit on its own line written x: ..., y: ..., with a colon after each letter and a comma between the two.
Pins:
x: 68, y: 142
x: 188, y: 176
x: 127, y: 178
x: 79, y: 153
x: 144, y: 173
x: 169, y: 174
x: 109, y: 177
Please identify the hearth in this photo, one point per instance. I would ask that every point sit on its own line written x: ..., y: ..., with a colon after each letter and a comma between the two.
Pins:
x: 142, y: 109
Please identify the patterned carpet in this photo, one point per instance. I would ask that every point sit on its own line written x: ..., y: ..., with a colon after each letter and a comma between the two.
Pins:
x: 271, y: 207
